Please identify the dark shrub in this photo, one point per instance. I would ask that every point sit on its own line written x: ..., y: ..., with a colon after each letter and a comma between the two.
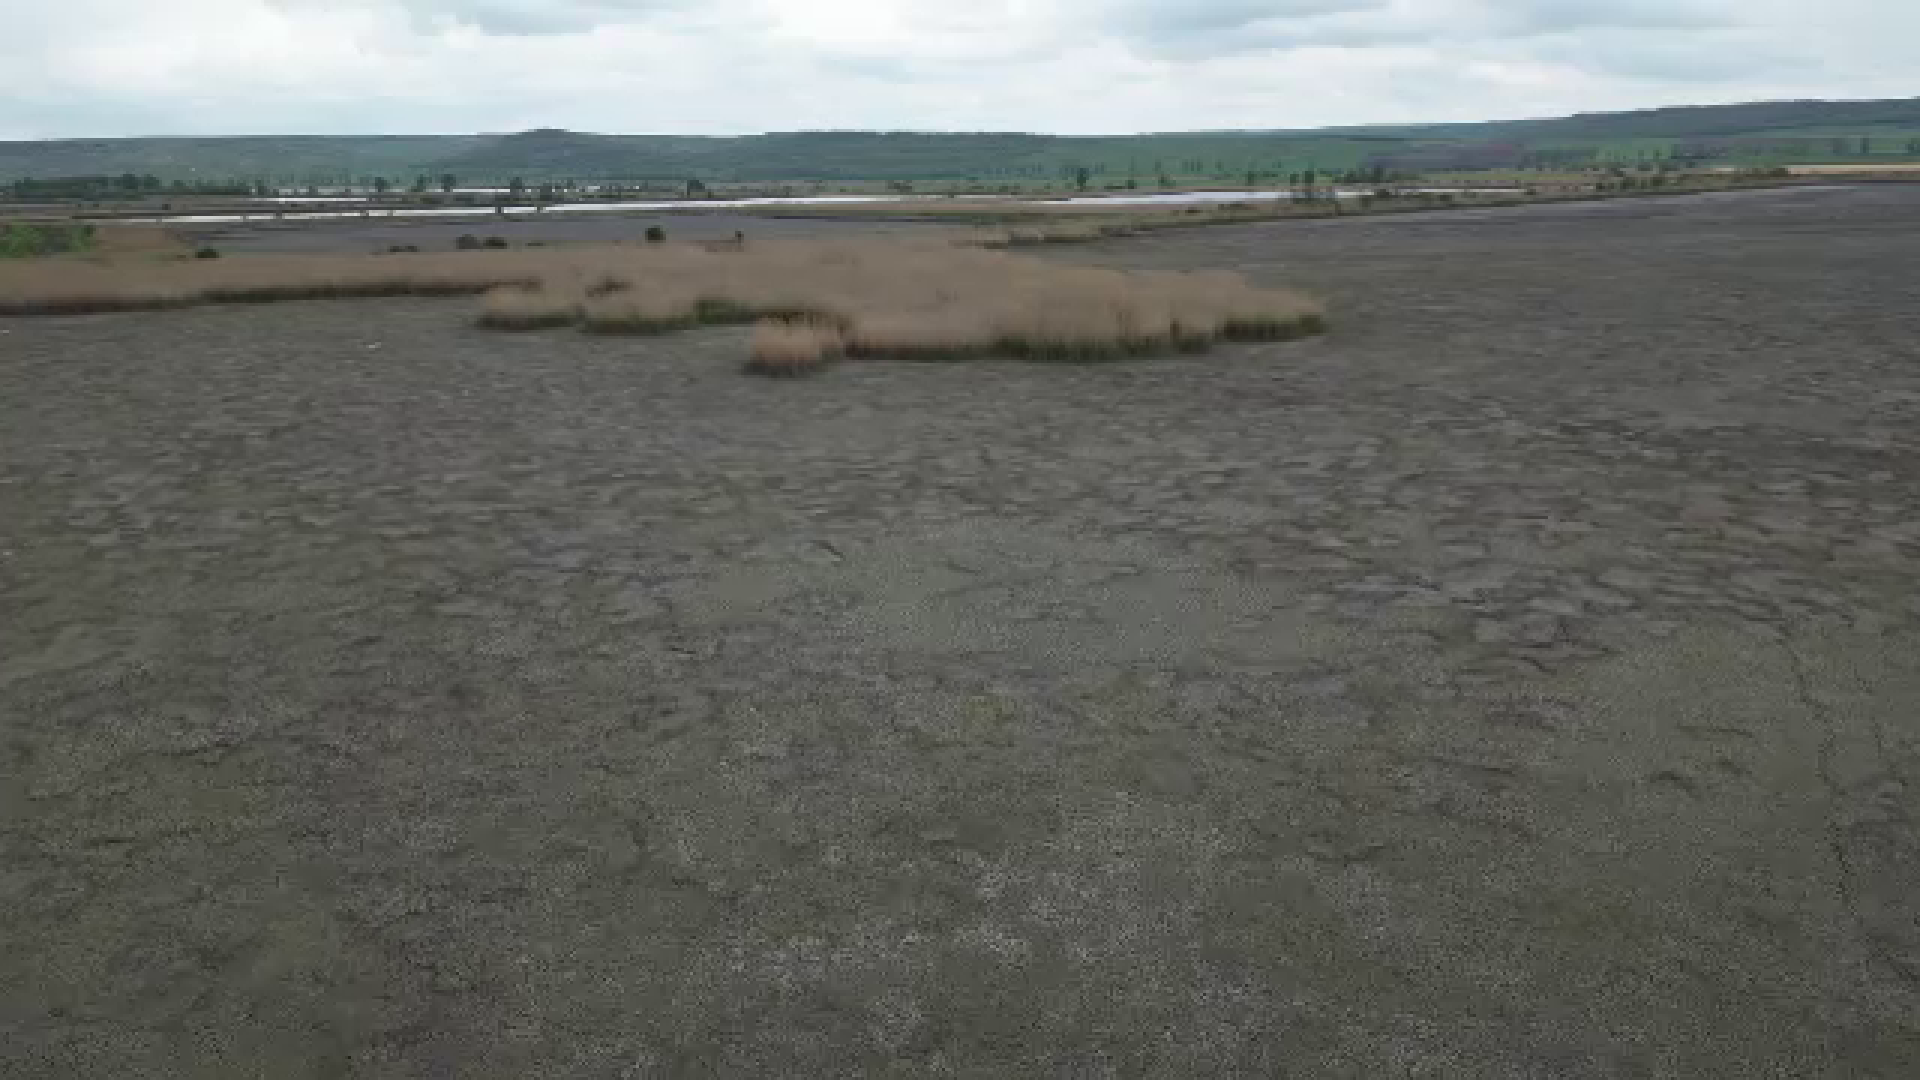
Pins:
x: 496, y: 241
x: 207, y: 253
x: 656, y: 235
x: 467, y: 242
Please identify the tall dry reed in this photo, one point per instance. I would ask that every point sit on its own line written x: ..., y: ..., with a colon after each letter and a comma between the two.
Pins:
x: 913, y: 298
x: 784, y: 348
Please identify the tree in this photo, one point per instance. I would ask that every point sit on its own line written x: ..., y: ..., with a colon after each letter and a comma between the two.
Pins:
x: 695, y: 189
x: 448, y: 182
x: 1081, y: 178
x: 517, y: 187
x: 380, y: 185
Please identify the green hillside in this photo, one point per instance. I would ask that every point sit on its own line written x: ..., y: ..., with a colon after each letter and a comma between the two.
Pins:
x: 1743, y: 135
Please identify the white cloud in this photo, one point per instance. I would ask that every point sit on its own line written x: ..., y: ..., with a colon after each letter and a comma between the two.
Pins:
x: 204, y: 67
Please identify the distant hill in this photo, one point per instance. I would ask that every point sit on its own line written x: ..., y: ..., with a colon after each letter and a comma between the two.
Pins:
x: 1756, y: 133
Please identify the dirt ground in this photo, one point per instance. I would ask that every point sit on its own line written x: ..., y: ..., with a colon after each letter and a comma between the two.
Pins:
x: 556, y: 228
x: 1520, y: 681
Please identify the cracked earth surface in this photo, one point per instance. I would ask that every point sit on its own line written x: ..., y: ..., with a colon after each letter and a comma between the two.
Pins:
x: 1518, y: 681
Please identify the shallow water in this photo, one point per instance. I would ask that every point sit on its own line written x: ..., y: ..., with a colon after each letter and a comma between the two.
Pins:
x: 1189, y: 197
x: 1175, y: 198
x: 471, y: 211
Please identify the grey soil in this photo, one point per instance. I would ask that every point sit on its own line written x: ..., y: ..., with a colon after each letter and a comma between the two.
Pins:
x: 1520, y: 681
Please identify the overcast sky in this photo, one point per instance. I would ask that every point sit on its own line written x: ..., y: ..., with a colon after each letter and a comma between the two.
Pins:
x: 230, y: 67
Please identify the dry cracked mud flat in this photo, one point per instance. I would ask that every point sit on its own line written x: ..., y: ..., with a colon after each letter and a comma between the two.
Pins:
x: 1519, y: 681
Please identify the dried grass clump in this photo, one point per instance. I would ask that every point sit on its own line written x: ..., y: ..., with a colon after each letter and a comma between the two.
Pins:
x: 515, y: 307
x: 784, y: 349
x: 1212, y: 305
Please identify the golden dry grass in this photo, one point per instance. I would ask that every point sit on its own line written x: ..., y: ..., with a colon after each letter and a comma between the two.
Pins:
x: 662, y: 309
x: 908, y: 298
x: 933, y: 300
x: 784, y: 348
x: 516, y: 307
x: 56, y: 287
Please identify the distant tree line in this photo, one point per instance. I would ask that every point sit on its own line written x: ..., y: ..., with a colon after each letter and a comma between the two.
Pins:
x: 123, y: 186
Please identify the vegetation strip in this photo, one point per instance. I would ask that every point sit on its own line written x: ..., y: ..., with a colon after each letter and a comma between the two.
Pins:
x: 900, y: 299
